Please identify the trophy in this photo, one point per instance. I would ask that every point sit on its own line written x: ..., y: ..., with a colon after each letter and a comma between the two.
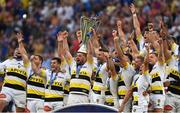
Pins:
x: 86, y: 25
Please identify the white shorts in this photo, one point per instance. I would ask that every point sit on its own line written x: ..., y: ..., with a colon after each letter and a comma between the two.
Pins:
x: 97, y: 98
x: 65, y: 99
x: 17, y: 96
x: 35, y: 105
x: 54, y: 105
x: 77, y: 98
x: 157, y: 101
x: 140, y: 109
x: 172, y: 103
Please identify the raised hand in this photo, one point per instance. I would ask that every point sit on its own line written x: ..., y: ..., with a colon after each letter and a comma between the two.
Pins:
x: 114, y: 33
x: 119, y: 24
x: 65, y: 34
x: 60, y: 36
x: 19, y: 37
x: 164, y: 31
x: 132, y: 9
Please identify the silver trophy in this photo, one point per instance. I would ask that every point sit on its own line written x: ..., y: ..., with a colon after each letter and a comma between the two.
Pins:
x: 86, y: 25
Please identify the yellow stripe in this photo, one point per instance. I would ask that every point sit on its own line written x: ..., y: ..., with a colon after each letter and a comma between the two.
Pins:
x: 82, y: 72
x: 15, y: 82
x: 126, y: 66
x: 63, y: 63
x: 175, y: 72
x: 79, y: 85
x: 146, y: 72
x: 154, y: 88
x: 122, y: 92
x: 176, y: 87
x: 66, y: 87
x: 139, y: 37
x: 97, y: 88
x: 109, y: 99
x: 154, y: 75
x: 173, y: 47
x: 1, y: 73
x: 26, y: 64
x: 43, y: 72
x: 50, y: 95
x: 135, y: 98
x: 94, y: 69
x: 37, y: 79
x: 32, y: 91
x: 19, y: 71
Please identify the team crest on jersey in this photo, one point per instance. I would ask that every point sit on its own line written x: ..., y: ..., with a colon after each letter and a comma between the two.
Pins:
x: 134, y: 110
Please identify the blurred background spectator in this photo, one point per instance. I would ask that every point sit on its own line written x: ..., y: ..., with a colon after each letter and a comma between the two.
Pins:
x: 40, y: 20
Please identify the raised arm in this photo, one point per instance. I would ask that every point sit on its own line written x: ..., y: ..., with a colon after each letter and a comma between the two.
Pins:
x: 60, y: 44
x: 146, y: 61
x: 95, y: 39
x: 90, y: 52
x: 62, y: 39
x: 136, y: 23
x: 163, y: 35
x: 167, y: 52
x: 132, y: 45
x: 22, y: 50
x: 120, y: 53
x: 121, y: 33
x: 111, y: 68
x: 161, y: 52
x: 65, y: 47
x: 65, y: 42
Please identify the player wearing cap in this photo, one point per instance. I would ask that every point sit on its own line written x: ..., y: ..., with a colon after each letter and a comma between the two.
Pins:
x: 81, y: 71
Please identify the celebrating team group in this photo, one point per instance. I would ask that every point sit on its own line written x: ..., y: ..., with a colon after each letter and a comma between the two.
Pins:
x: 140, y: 74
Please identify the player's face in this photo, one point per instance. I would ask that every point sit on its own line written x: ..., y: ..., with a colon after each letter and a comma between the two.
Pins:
x: 54, y: 65
x: 152, y: 59
x: 17, y: 53
x: 115, y: 54
x: 142, y: 67
x: 146, y: 36
x: 80, y: 58
x: 138, y: 62
x: 36, y: 60
x: 100, y: 56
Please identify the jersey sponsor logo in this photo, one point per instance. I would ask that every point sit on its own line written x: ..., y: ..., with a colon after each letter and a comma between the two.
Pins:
x: 155, y: 75
x: 19, y: 71
x: 35, y: 79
